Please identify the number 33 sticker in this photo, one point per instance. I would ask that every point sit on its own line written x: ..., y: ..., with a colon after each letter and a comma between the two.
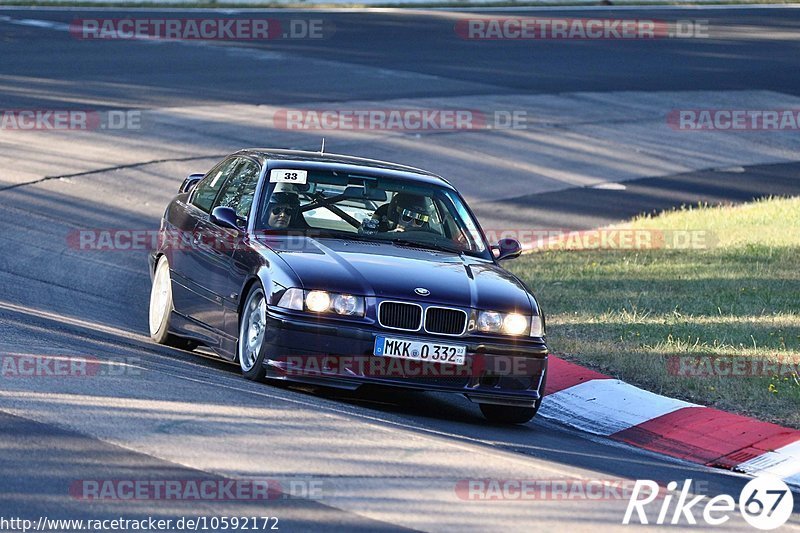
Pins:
x: 280, y: 175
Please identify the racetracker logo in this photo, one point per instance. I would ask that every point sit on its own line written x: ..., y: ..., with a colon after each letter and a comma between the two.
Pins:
x: 544, y: 489
x: 127, y: 240
x: 66, y: 366
x: 734, y: 119
x: 208, y: 29
x: 201, y: 489
x: 144, y: 240
x: 398, y: 119
x: 706, y: 366
x: 476, y: 366
x: 69, y: 120
x: 534, y: 28
x: 605, y: 239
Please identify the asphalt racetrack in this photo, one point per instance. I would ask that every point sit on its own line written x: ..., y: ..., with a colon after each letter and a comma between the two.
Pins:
x: 594, y: 145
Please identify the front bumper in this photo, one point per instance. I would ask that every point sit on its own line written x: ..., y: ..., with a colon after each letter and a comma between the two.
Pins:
x: 341, y: 355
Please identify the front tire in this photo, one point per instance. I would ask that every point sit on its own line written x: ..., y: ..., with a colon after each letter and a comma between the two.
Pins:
x: 252, y: 330
x: 507, y: 414
x: 161, y: 302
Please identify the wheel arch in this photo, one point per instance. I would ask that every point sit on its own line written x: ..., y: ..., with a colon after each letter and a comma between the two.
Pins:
x: 153, y: 260
x: 261, y: 276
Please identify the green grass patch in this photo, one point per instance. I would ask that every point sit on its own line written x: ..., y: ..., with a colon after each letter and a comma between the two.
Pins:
x: 735, y: 299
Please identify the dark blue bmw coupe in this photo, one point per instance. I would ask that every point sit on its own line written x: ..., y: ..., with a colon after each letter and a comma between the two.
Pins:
x: 341, y: 271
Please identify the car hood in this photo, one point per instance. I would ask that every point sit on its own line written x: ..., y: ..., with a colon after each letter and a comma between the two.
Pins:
x: 389, y: 271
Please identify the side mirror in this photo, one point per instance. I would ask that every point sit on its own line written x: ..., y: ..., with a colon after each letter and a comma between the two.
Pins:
x: 190, y: 182
x: 507, y: 249
x: 225, y: 217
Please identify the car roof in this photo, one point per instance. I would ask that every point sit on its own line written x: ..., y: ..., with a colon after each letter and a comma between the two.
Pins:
x: 346, y: 163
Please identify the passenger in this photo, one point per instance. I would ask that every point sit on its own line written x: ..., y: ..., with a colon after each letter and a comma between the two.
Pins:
x: 405, y: 212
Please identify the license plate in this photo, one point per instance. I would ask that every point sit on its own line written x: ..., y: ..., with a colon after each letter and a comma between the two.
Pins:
x: 420, y: 351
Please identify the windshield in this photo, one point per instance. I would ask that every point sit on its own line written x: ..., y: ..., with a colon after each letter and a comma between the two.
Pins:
x: 336, y: 204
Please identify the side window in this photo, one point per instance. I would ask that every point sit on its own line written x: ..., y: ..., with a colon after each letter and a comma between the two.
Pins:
x: 240, y: 188
x: 206, y: 191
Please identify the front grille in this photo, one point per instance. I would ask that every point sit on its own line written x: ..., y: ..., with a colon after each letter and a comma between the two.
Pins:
x: 398, y: 315
x: 445, y: 321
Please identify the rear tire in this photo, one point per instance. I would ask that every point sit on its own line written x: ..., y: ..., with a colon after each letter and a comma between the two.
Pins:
x: 161, y: 309
x: 252, y: 331
x: 507, y: 414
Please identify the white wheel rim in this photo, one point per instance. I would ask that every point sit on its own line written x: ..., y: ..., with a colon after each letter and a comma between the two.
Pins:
x: 159, y: 297
x: 251, y: 331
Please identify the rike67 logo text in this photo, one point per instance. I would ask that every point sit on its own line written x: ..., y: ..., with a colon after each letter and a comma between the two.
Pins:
x: 765, y: 503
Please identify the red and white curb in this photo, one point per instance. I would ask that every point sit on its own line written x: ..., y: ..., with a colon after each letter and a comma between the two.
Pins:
x: 599, y: 404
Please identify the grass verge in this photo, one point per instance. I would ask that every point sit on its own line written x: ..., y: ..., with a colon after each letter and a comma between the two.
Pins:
x: 715, y: 323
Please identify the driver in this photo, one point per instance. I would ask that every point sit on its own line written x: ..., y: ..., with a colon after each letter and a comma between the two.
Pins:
x: 405, y: 212
x: 282, y: 209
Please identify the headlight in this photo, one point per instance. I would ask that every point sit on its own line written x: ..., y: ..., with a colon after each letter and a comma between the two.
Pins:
x: 490, y: 321
x: 507, y: 323
x: 515, y: 324
x: 345, y: 304
x: 318, y: 301
x: 322, y: 302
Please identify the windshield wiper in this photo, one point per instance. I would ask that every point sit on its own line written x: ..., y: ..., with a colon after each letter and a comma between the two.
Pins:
x: 426, y: 246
